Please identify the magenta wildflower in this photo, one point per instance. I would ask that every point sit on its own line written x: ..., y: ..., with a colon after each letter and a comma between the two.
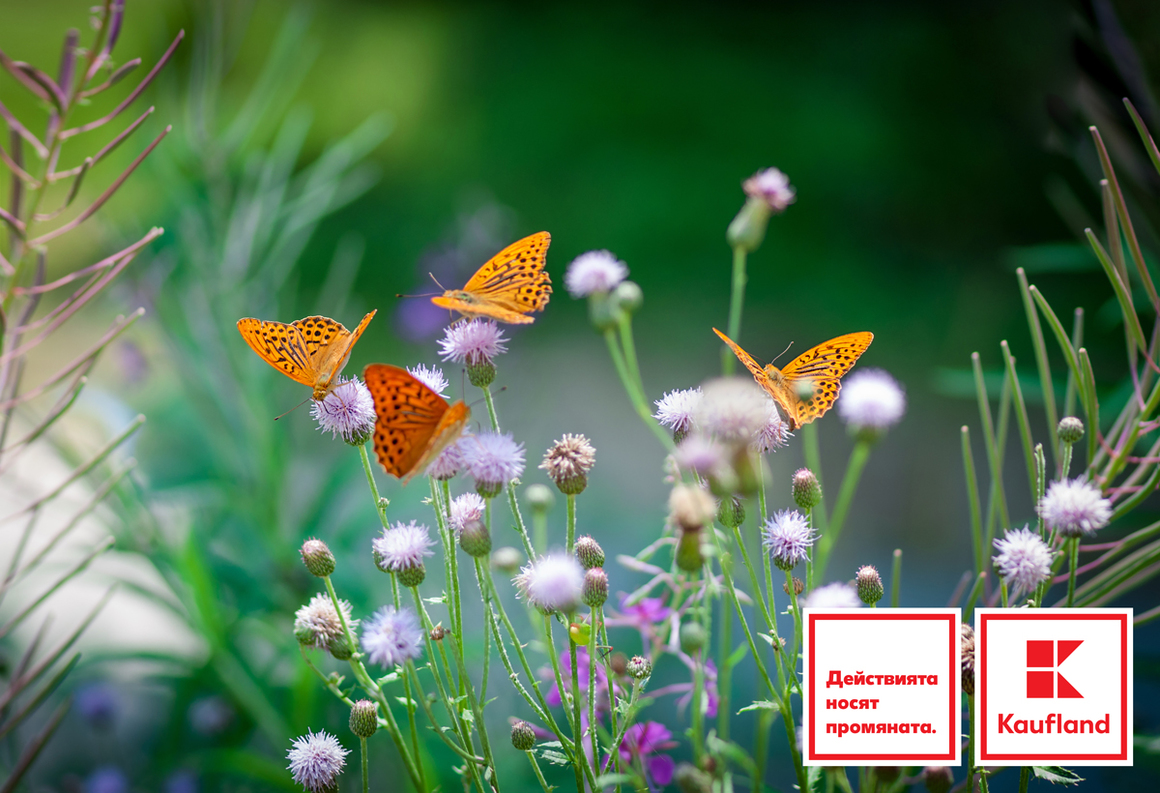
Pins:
x: 1074, y: 508
x: 771, y: 186
x: 475, y: 342
x: 1023, y: 559
x: 788, y: 538
x: 464, y: 509
x: 872, y: 400
x: 644, y: 742
x: 449, y: 462
x: 676, y: 409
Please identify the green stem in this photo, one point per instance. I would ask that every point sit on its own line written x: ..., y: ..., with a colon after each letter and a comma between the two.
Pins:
x: 970, y: 744
x: 813, y: 454
x: 577, y: 738
x: 539, y: 774
x: 1024, y: 778
x: 1073, y: 553
x: 511, y: 488
x: 571, y: 522
x: 592, y: 614
x: 828, y: 540
x: 736, y: 305
x: 725, y: 674
x: 629, y: 345
x: 636, y: 397
x: 761, y: 749
x: 366, y: 779
x: 896, y: 578
x: 380, y: 507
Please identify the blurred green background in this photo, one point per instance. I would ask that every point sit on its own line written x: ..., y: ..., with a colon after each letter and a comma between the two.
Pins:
x: 934, y: 148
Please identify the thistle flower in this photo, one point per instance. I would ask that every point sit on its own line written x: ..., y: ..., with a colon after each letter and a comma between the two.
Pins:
x: 317, y: 557
x: 703, y: 456
x: 1070, y: 430
x: 676, y: 409
x: 731, y: 512
x: 938, y: 778
x: 392, y: 636
x: 317, y: 624
x: 523, y: 736
x: 401, y: 550
x: 595, y: 272
x: 595, y: 590
x: 872, y: 401
x: 552, y: 583
x: 774, y: 434
x: 589, y: 552
x: 348, y: 410
x: 475, y: 539
x: 493, y: 460
x: 448, y: 463
x: 732, y: 409
x: 1074, y: 508
x: 1024, y: 560
x: 475, y: 343
x: 691, y: 507
x: 869, y: 585
x: 967, y: 652
x: 316, y: 760
x: 568, y: 462
x: 771, y: 186
x: 432, y: 377
x: 507, y: 559
x: 806, y: 489
x: 639, y: 667
x: 364, y: 718
x: 464, y: 509
x: 787, y: 537
x: 832, y: 596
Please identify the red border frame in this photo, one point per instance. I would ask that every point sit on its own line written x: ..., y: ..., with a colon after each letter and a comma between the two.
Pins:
x: 952, y: 672
x: 1025, y: 616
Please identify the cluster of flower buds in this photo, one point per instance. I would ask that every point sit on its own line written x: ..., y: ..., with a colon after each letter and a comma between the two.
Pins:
x: 601, y: 277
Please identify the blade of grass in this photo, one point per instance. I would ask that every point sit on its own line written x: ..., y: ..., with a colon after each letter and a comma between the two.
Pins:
x: 1131, y: 320
x: 1145, y: 135
x: 1112, y: 232
x: 973, y: 500
x: 1041, y: 363
x: 33, y: 747
x: 994, y: 460
x: 1088, y: 384
x: 1076, y: 343
x: 1020, y: 415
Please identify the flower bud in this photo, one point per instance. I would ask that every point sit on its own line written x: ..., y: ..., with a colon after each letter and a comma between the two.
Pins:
x: 693, y: 637
x: 690, y: 779
x: 488, y: 489
x: 481, y: 374
x: 523, y: 736
x: 364, y: 718
x: 568, y: 462
x: 507, y: 559
x: 305, y: 635
x: 938, y: 778
x: 540, y: 497
x: 1070, y: 429
x: 639, y: 667
x: 887, y: 773
x: 317, y: 558
x: 340, y: 648
x: 798, y: 586
x: 589, y: 552
x: 629, y: 296
x: 731, y: 512
x: 747, y: 230
x: 413, y: 575
x: 603, y: 311
x: 807, y: 490
x: 869, y: 584
x: 474, y: 539
x: 689, y: 556
x: 691, y: 507
x: 595, y: 587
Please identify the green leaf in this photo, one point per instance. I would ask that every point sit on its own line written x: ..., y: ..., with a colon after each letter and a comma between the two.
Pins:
x: 738, y: 654
x: 815, y: 778
x: 1056, y: 775
x: 608, y: 780
x: 555, y: 758
x: 761, y: 704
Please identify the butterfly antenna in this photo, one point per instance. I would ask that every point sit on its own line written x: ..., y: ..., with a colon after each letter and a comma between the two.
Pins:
x: 783, y: 352
x: 436, y: 280
x: 291, y: 410
x: 430, y: 294
x: 476, y: 402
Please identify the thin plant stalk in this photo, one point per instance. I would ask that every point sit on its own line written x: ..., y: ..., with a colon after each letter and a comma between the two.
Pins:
x: 736, y: 306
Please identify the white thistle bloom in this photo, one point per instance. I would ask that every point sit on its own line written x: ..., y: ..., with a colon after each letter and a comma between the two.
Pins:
x: 316, y: 760
x: 832, y: 596
x: 552, y: 583
x: 594, y: 272
x: 871, y: 399
x: 732, y: 409
x: 1024, y: 560
x: 1074, y: 507
x: 430, y: 376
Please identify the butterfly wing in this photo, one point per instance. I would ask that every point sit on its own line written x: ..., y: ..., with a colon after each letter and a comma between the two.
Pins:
x: 510, y: 285
x: 282, y: 346
x: 785, y: 400
x: 329, y: 344
x: 823, y: 367
x: 413, y: 423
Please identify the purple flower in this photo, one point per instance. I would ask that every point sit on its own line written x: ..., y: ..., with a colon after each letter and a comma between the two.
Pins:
x: 552, y: 583
x: 402, y: 547
x: 348, y: 410
x: 646, y: 613
x: 788, y: 538
x: 317, y: 624
x: 771, y: 186
x: 1023, y: 559
x: 432, y: 377
x: 774, y: 434
x: 316, y: 760
x: 392, y: 636
x: 643, y: 742
x: 1074, y: 508
x: 703, y: 456
x: 676, y: 409
x: 98, y: 704
x: 448, y: 463
x: 474, y: 342
x: 733, y: 409
x: 583, y: 670
x: 493, y: 460
x: 464, y: 509
x: 594, y: 272
x: 872, y: 399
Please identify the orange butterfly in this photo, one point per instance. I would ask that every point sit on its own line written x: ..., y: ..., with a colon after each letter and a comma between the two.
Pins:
x: 511, y: 284
x: 413, y: 423
x: 311, y: 351
x: 809, y: 384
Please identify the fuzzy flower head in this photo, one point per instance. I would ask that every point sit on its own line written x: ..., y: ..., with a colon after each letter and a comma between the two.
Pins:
x: 432, y: 377
x: 552, y: 583
x: 477, y: 341
x: 595, y: 272
x: 676, y: 409
x: 568, y: 463
x: 465, y: 509
x: 316, y: 760
x: 348, y: 410
x: 774, y: 434
x: 392, y: 636
x: 771, y: 186
x: 448, y: 462
x: 788, y: 538
x: 832, y: 596
x: 732, y: 409
x: 317, y: 623
x: 1023, y: 559
x: 701, y: 455
x: 1074, y: 508
x: 402, y: 547
x: 872, y: 402
x: 493, y: 459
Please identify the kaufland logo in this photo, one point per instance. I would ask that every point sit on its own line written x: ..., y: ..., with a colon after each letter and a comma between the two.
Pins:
x: 1053, y: 686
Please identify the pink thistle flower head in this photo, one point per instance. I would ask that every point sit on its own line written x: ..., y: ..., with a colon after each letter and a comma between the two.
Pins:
x: 1074, y: 508
x: 465, y: 509
x: 701, y: 455
x: 552, y: 583
x: 476, y: 342
x: 494, y: 460
x: 872, y: 401
x: 432, y: 377
x: 448, y: 462
x: 788, y: 538
x: 1023, y: 559
x: 676, y: 410
x: 402, y: 547
x: 316, y: 760
x: 771, y: 186
x: 392, y: 636
x: 317, y: 624
x: 595, y: 272
x: 774, y: 434
x: 732, y: 409
x: 832, y: 596
x: 347, y: 411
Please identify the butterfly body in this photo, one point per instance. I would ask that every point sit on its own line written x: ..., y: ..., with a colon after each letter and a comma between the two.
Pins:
x: 413, y: 424
x: 807, y: 387
x: 508, y: 287
x: 312, y: 350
